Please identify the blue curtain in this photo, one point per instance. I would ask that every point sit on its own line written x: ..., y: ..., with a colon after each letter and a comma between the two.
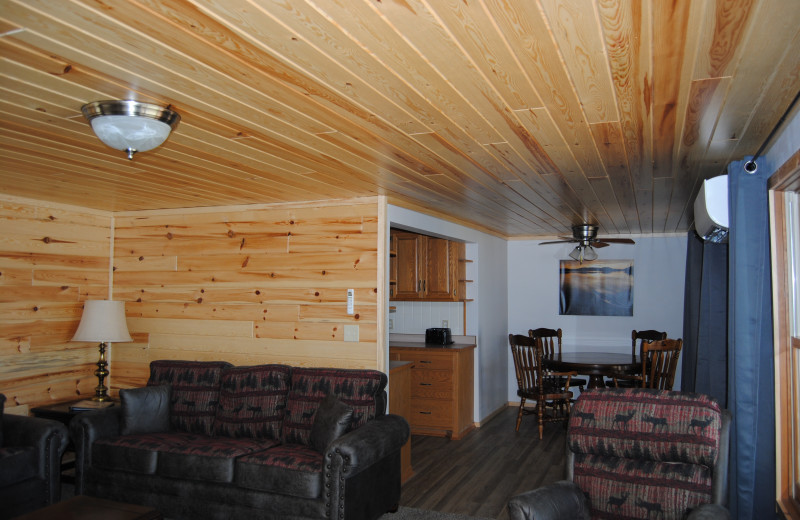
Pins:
x: 750, y: 352
x: 705, y: 320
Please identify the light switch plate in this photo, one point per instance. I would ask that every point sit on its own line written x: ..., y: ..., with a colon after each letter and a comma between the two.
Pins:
x: 445, y: 323
x: 351, y: 332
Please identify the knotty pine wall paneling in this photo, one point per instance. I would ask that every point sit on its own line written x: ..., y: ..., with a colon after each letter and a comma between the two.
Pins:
x: 248, y: 286
x: 52, y: 258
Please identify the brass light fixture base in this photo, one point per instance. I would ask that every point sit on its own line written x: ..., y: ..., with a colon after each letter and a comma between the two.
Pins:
x: 101, y: 391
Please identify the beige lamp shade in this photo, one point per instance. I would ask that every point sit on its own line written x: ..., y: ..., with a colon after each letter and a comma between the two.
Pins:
x: 103, y: 321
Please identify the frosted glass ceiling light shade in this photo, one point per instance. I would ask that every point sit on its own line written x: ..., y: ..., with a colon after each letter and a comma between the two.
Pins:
x: 130, y: 126
x: 102, y: 321
x: 582, y: 252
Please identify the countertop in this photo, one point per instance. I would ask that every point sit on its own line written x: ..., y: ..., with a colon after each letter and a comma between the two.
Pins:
x: 430, y: 346
x: 398, y: 365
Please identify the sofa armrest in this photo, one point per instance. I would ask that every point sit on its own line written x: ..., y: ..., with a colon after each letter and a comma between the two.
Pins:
x: 709, y: 512
x: 49, y: 439
x: 363, y: 466
x: 375, y: 440
x: 562, y: 500
x: 86, y: 428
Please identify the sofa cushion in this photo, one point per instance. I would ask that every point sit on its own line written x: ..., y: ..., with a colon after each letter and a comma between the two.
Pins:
x: 145, y: 410
x: 134, y: 453
x: 331, y: 421
x: 195, y: 392
x: 252, y: 401
x: 288, y: 469
x: 17, y: 463
x: 361, y: 389
x: 207, y: 458
x: 645, y: 423
x: 625, y: 488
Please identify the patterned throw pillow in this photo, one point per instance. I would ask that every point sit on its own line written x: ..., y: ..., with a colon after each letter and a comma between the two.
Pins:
x: 252, y: 401
x: 363, y: 390
x: 195, y: 392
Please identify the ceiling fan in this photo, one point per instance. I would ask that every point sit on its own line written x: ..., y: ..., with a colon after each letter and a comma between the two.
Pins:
x: 586, y: 237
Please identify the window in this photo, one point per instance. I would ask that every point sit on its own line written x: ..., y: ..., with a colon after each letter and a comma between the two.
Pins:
x: 785, y: 209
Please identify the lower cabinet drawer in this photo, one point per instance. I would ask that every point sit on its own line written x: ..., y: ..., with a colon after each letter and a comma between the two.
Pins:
x: 432, y: 384
x: 431, y: 413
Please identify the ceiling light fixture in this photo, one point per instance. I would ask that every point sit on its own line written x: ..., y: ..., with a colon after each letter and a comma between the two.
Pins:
x: 130, y: 126
x: 583, y: 252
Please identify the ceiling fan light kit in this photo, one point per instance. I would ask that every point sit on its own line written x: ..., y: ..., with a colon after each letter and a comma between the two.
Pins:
x: 586, y: 237
x: 581, y: 253
x: 130, y: 126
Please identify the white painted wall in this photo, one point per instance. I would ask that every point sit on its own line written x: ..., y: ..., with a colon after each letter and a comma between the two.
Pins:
x: 659, y: 265
x: 486, y: 316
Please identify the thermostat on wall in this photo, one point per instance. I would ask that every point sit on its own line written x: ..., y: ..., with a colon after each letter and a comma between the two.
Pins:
x: 350, y: 294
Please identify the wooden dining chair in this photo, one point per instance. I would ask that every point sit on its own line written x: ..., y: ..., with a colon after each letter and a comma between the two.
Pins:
x: 536, y: 383
x: 643, y: 337
x: 551, y: 338
x: 659, y: 363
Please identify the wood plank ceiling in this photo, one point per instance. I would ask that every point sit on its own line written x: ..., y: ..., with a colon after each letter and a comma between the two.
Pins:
x: 518, y: 117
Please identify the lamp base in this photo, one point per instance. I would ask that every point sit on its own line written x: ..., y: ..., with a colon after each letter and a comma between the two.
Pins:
x: 101, y: 391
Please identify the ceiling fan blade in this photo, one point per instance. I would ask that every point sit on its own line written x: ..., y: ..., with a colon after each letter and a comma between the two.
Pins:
x: 595, y: 243
x: 617, y: 240
x: 557, y: 242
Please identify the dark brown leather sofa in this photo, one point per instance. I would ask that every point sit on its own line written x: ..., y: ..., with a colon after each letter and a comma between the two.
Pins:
x: 268, y: 441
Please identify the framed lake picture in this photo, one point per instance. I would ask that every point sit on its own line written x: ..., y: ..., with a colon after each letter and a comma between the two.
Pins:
x: 599, y: 288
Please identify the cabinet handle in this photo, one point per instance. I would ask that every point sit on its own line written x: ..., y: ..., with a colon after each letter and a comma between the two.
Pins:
x: 419, y: 285
x: 425, y: 384
x: 425, y: 413
x: 423, y: 285
x: 424, y: 361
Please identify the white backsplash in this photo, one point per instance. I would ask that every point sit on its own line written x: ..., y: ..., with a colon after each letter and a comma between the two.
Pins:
x: 415, y: 317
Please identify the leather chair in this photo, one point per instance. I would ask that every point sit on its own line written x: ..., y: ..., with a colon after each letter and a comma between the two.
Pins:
x: 30, y: 462
x: 638, y: 453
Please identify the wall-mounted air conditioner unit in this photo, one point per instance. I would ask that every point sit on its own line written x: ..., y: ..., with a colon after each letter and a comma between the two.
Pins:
x: 711, y: 210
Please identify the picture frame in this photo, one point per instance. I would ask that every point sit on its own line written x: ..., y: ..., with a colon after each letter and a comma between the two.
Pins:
x: 597, y: 288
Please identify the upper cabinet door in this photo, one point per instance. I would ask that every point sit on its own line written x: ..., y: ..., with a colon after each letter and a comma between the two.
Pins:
x: 440, y: 280
x: 425, y: 268
x: 410, y: 251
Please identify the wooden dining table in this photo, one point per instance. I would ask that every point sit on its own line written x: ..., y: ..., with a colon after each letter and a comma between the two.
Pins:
x: 596, y: 365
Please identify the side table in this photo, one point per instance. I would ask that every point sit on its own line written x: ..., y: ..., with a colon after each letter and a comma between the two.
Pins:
x: 63, y: 413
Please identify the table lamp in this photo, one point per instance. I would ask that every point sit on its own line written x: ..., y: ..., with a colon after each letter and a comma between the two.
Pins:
x: 103, y: 321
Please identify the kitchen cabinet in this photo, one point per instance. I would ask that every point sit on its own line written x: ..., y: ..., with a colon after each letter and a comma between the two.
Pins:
x: 424, y: 268
x: 399, y: 404
x: 441, y: 388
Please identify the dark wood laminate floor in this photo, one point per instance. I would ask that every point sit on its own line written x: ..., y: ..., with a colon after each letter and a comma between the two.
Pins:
x: 479, y: 473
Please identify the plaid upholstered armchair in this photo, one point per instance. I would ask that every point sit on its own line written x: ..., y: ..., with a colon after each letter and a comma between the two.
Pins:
x: 638, y: 453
